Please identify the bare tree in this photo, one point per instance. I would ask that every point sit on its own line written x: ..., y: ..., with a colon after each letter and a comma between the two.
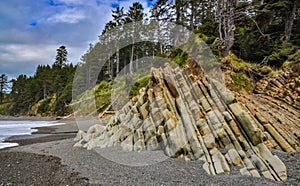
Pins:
x: 225, y: 10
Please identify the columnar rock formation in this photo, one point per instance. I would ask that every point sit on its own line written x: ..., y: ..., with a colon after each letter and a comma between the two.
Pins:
x: 187, y: 116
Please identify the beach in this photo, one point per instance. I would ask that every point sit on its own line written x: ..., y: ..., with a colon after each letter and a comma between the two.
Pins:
x: 49, y: 158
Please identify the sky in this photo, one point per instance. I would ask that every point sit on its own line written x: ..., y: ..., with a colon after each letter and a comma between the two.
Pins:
x: 32, y: 30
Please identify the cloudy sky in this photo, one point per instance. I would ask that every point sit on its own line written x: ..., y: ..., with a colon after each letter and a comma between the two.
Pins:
x: 32, y: 30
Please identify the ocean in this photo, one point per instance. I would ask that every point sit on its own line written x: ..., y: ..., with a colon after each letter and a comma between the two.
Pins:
x: 13, y: 128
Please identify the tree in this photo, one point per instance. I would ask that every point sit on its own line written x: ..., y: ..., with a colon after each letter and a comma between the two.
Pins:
x: 225, y: 11
x: 135, y: 14
x: 61, y: 56
x: 119, y: 18
x: 3, y: 86
x: 18, y: 95
x: 290, y: 17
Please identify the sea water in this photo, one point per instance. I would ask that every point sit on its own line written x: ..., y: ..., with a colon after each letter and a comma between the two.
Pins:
x: 14, y: 128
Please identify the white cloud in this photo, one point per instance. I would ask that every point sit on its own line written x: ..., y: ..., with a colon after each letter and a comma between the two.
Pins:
x: 24, y: 58
x: 67, y: 16
x: 73, y: 23
x: 25, y: 52
x: 28, y: 52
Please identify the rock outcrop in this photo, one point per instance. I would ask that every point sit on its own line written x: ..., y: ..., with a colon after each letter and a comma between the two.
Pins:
x: 190, y: 118
x: 284, y: 86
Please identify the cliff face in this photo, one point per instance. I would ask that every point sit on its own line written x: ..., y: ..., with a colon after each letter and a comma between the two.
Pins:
x: 187, y: 116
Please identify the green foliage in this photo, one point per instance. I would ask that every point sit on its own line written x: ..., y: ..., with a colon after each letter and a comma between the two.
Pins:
x: 3, y: 86
x: 274, y: 73
x: 5, y: 105
x: 277, y: 58
x: 34, y: 95
x: 237, y: 62
x: 241, y: 82
x: 295, y: 57
x: 4, y: 108
x: 143, y: 82
x: 179, y: 57
x: 102, y: 93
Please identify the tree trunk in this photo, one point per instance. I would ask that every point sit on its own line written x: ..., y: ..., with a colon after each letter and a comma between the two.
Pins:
x: 178, y: 11
x: 131, y: 59
x: 192, y: 14
x: 290, y: 17
x: 109, y: 67
x: 118, y: 59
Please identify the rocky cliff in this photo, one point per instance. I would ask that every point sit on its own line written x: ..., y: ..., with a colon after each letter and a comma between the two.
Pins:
x: 191, y: 117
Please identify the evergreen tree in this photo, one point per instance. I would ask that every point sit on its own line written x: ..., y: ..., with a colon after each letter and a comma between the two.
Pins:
x: 135, y: 14
x: 119, y: 18
x: 61, y: 56
x: 3, y: 85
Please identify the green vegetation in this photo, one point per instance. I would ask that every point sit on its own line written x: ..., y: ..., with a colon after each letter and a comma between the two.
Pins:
x: 241, y: 82
x: 237, y: 62
x: 179, y: 57
x: 4, y: 107
x: 102, y: 93
x: 47, y: 93
x: 143, y: 82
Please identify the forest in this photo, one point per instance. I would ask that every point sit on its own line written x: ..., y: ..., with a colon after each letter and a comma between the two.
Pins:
x: 259, y: 32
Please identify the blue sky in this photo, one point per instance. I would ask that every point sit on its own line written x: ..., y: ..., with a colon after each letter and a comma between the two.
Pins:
x: 32, y: 30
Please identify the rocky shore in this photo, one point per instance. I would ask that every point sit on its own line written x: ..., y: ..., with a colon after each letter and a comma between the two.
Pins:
x: 194, y: 118
x: 31, y: 164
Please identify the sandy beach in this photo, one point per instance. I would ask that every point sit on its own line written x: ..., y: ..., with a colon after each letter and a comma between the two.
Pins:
x: 49, y: 158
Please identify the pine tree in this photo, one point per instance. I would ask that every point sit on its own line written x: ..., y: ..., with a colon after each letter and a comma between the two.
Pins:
x: 3, y: 86
x: 61, y: 56
x: 135, y: 14
x: 119, y: 18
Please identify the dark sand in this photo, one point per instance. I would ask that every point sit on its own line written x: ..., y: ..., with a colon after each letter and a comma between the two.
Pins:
x: 50, y: 159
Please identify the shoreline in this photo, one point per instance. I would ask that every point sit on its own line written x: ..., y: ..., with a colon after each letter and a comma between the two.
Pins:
x: 62, y: 129
x: 52, y: 147
x: 31, y: 118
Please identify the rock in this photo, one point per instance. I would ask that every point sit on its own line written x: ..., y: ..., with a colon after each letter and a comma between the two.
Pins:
x: 195, y: 119
x: 268, y: 175
x: 247, y: 123
x: 170, y: 125
x: 209, y: 141
x: 79, y: 144
x: 258, y: 163
x: 245, y: 172
x: 144, y: 110
x: 235, y: 157
x: 276, y: 164
x: 139, y: 145
x: 80, y: 135
x: 229, y: 98
x: 127, y: 144
x: 254, y: 173
x: 152, y: 143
